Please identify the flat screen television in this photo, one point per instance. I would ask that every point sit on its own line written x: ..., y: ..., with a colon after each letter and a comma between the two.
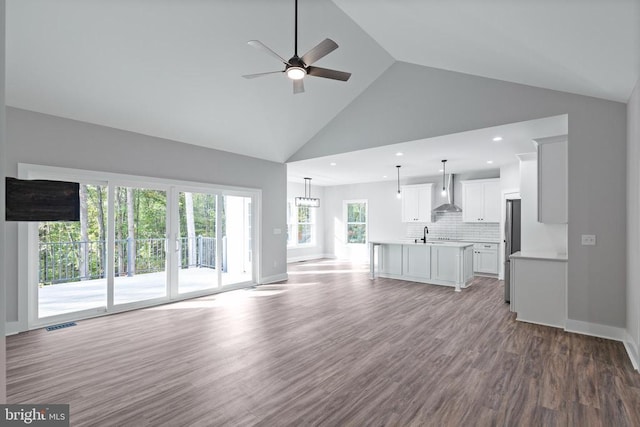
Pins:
x: 42, y: 200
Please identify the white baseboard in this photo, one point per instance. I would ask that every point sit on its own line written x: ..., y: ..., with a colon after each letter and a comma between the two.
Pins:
x: 609, y: 332
x: 596, y: 330
x: 273, y: 279
x: 13, y: 328
x: 632, y: 351
x: 309, y: 258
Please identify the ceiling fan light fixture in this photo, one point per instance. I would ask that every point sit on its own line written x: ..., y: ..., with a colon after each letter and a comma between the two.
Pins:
x: 298, y: 67
x: 296, y: 73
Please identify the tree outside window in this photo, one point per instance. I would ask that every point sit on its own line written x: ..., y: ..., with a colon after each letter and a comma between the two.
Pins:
x: 301, y: 225
x: 356, y: 213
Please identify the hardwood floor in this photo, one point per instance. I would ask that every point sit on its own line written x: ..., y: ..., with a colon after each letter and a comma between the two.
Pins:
x: 328, y: 347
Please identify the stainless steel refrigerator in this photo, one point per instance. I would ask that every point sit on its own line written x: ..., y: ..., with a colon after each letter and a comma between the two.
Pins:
x: 511, y: 241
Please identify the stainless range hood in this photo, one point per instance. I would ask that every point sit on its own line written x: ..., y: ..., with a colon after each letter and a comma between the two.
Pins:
x: 448, y: 207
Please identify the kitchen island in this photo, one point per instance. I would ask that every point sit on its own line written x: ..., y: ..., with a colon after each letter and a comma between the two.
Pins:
x: 435, y: 262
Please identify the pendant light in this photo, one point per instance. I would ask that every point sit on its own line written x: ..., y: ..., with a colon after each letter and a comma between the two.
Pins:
x: 444, y: 188
x: 399, y: 194
x: 307, y: 200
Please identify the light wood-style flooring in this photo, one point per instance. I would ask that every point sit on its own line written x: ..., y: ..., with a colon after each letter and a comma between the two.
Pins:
x: 328, y: 347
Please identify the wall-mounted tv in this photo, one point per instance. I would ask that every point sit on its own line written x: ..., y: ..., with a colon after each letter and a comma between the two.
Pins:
x: 42, y: 200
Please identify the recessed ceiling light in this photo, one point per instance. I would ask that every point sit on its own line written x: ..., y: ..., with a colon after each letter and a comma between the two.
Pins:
x: 440, y: 170
x: 399, y: 154
x: 332, y: 164
x: 384, y: 176
x: 489, y: 162
x: 497, y: 139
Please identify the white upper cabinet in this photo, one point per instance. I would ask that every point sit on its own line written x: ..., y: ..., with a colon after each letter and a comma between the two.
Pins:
x: 417, y: 203
x: 552, y: 179
x: 481, y: 200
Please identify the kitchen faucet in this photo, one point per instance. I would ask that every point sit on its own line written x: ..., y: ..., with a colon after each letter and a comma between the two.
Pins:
x: 424, y: 234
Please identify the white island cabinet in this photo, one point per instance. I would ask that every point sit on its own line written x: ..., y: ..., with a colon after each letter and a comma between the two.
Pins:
x: 437, y: 263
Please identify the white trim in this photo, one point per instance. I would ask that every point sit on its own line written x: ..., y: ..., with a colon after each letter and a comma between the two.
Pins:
x: 27, y: 235
x: 13, y: 328
x: 632, y: 351
x: 345, y: 217
x: 292, y: 221
x: 551, y: 325
x: 309, y: 257
x: 595, y: 330
x: 273, y: 279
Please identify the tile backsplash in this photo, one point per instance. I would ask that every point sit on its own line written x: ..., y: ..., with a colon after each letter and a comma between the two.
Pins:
x: 449, y: 225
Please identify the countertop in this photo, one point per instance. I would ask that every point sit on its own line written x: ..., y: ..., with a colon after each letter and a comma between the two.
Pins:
x: 409, y: 242
x: 546, y: 256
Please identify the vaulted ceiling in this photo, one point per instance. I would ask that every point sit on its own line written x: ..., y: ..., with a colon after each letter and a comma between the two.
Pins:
x: 172, y: 69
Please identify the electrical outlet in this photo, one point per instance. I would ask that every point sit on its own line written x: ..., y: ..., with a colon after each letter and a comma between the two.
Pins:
x: 588, y: 240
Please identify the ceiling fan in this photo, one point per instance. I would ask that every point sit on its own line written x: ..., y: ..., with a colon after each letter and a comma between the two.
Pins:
x: 298, y: 67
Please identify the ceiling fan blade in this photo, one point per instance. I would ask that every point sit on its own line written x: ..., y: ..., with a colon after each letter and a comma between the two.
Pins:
x: 323, y: 48
x: 298, y: 86
x: 259, y: 45
x: 328, y: 74
x: 253, y: 76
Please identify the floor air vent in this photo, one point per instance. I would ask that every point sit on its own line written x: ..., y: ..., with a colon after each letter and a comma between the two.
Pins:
x: 60, y: 326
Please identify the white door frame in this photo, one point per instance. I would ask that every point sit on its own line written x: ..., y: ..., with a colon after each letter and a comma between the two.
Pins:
x: 28, y: 239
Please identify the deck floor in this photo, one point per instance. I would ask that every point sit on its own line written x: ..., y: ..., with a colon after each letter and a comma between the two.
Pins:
x: 87, y: 294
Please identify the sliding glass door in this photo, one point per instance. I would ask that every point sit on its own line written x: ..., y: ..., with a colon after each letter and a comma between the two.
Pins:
x: 72, y: 258
x: 140, y: 255
x: 197, y: 244
x: 236, y: 240
x: 138, y: 243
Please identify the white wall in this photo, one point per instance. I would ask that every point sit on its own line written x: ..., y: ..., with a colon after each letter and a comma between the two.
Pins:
x: 410, y: 102
x: 509, y: 184
x: 47, y: 140
x: 510, y: 177
x: 3, y: 316
x: 633, y: 222
x: 315, y: 251
x: 384, y: 210
x: 536, y: 236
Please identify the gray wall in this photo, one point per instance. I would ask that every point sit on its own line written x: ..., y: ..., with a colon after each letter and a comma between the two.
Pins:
x: 54, y: 141
x: 633, y: 220
x: 3, y: 376
x: 410, y: 102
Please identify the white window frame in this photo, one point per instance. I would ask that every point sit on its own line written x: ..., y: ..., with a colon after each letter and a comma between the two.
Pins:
x: 345, y: 210
x: 292, y: 226
x: 28, y: 238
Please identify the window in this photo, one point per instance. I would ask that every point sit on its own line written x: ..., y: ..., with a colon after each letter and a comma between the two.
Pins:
x: 119, y: 256
x: 301, y: 225
x: 356, y: 215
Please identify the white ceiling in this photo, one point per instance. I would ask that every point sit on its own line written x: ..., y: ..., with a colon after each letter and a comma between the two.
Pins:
x: 465, y: 152
x: 171, y: 69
